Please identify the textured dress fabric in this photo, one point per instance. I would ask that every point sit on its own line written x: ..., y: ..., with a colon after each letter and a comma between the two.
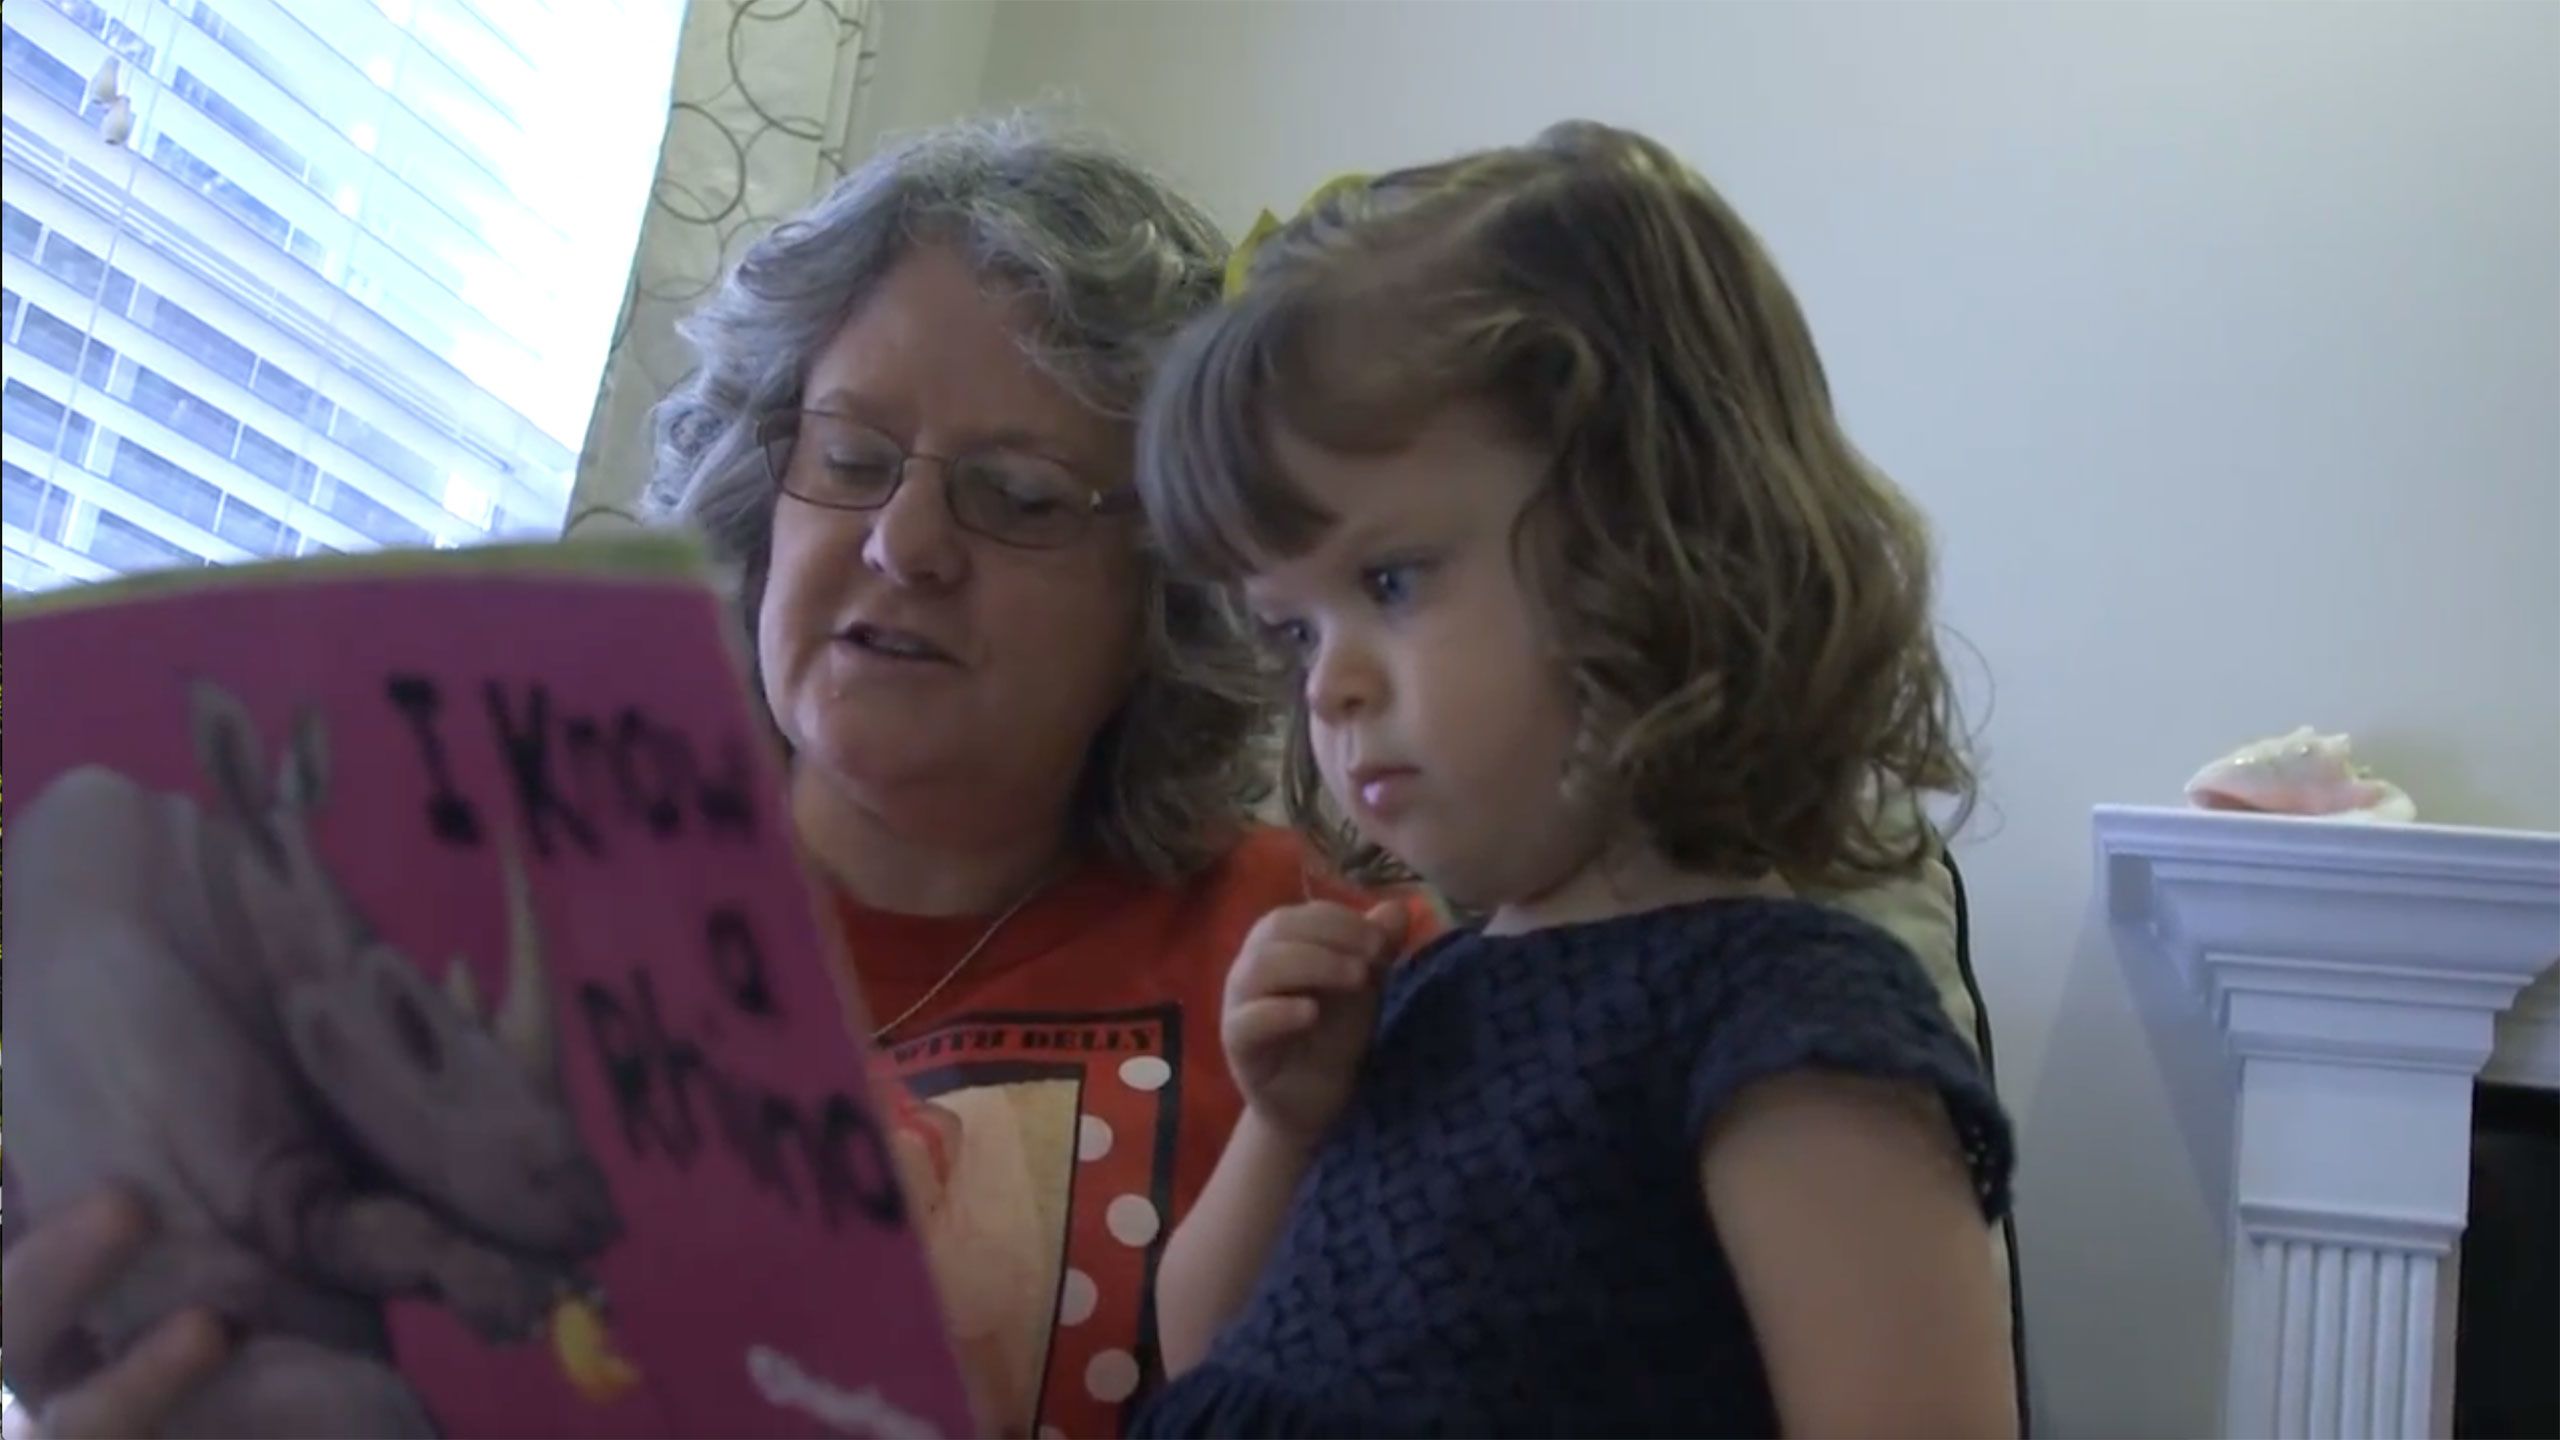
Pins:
x: 1504, y: 1233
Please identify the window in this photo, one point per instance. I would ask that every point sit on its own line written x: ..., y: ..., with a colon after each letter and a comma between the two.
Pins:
x: 200, y: 342
x: 57, y: 81
x: 271, y: 462
x: 297, y: 400
x: 252, y: 529
x: 21, y: 230
x: 193, y: 90
x: 336, y: 497
x: 63, y: 259
x: 148, y: 475
x: 394, y: 457
x: 30, y: 414
x: 49, y: 339
x: 40, y: 509
x: 219, y: 188
x: 92, y: 17
x: 185, y: 412
x: 122, y: 545
x: 74, y: 444
x: 98, y: 365
x: 338, y: 292
x: 25, y: 497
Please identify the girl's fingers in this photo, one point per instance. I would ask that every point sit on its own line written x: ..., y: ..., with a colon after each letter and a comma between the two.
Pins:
x: 1392, y: 921
x: 1272, y: 1018
x: 1283, y: 967
x: 135, y: 1394
x: 1337, y: 927
x: 50, y: 1276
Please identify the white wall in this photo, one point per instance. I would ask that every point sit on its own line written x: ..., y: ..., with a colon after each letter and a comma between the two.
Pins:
x: 2223, y: 343
x: 932, y: 65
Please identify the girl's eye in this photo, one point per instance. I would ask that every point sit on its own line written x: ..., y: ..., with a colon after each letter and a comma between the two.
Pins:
x: 1392, y: 584
x: 1292, y: 638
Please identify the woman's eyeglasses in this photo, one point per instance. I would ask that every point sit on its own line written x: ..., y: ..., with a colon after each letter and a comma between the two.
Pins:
x: 1014, y: 497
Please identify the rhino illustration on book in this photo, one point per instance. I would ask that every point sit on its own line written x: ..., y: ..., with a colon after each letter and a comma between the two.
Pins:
x: 203, y: 1014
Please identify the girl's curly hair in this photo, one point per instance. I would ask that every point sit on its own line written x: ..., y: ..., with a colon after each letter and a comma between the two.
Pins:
x: 1741, y: 601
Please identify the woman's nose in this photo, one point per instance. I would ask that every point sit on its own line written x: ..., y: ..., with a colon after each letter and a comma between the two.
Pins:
x: 913, y: 540
x: 1344, y: 682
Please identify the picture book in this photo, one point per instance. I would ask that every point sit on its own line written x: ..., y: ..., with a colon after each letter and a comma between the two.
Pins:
x: 422, y: 937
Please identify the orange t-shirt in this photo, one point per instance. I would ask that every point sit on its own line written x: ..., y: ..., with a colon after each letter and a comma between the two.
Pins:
x: 1066, y: 1099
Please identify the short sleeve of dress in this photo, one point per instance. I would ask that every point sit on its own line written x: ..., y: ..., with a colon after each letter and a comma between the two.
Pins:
x: 1804, y: 987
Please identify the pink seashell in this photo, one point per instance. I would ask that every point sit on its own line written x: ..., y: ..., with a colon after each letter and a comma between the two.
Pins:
x: 2303, y: 773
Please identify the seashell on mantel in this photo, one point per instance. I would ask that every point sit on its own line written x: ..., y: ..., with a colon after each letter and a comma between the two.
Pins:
x: 2301, y: 773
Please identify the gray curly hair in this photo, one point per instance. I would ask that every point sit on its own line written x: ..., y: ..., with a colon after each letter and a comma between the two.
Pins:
x: 1110, y: 261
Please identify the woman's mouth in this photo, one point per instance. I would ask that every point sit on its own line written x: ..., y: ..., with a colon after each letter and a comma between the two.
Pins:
x: 894, y: 644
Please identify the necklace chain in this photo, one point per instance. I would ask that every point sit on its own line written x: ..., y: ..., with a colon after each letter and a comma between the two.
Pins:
x: 881, y: 1034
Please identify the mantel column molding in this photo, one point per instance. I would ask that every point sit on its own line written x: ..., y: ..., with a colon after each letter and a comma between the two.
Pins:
x: 2359, y: 975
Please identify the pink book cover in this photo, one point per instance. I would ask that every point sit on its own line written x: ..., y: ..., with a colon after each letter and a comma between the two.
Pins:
x: 421, y: 935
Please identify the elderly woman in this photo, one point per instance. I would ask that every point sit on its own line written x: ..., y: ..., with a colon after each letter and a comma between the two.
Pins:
x: 1023, y: 756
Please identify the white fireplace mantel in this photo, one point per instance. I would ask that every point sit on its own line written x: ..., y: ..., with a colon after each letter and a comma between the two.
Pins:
x: 2363, y: 977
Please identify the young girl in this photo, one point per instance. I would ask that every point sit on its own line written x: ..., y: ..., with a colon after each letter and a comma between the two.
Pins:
x: 1527, y: 465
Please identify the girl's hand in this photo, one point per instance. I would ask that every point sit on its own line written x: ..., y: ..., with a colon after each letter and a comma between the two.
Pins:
x: 49, y: 1278
x: 1301, y: 1001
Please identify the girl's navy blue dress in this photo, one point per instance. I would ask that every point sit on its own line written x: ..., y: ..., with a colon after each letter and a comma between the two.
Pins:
x: 1503, y: 1235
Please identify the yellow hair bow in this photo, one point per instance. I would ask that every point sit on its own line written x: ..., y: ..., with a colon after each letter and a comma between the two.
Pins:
x: 1265, y: 225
